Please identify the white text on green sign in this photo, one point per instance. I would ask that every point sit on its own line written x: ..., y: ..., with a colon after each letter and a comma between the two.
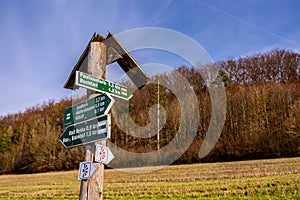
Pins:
x: 88, y: 109
x: 97, y: 84
x: 86, y: 132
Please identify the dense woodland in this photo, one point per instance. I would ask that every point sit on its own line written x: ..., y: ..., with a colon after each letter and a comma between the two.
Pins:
x: 262, y: 118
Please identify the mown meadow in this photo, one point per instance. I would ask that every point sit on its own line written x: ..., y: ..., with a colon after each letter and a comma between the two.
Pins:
x: 257, y: 179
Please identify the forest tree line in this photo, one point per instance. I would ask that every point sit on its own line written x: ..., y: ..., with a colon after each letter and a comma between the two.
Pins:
x: 262, y: 118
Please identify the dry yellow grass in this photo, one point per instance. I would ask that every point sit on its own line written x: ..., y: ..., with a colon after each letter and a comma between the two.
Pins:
x: 274, y: 178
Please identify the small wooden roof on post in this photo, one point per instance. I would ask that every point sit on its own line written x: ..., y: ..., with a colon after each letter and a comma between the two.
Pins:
x: 71, y: 79
x: 115, y: 53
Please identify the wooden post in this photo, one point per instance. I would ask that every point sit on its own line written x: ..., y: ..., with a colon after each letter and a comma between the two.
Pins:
x: 93, y: 188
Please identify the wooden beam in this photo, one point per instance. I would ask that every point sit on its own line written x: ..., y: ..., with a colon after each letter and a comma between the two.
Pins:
x: 93, y: 188
x: 118, y: 53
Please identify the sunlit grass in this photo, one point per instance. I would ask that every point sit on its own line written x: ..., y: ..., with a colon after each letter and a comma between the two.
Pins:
x: 259, y: 179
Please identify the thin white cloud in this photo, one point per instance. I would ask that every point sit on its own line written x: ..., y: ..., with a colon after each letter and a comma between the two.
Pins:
x: 262, y: 29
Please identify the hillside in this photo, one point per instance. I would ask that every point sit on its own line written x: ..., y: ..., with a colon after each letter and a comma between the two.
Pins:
x: 262, y: 119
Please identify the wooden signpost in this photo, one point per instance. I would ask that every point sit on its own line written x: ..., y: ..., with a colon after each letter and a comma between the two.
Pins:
x: 88, y: 122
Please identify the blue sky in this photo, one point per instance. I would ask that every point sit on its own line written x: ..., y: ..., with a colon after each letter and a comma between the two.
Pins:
x: 42, y: 40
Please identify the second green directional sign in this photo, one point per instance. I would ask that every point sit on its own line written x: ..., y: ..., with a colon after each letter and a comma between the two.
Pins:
x: 88, y: 109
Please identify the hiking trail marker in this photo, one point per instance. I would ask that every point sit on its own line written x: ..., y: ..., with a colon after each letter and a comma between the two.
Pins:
x: 103, y: 154
x: 86, y: 170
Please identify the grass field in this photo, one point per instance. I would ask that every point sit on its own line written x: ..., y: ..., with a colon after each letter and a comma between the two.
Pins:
x: 259, y: 179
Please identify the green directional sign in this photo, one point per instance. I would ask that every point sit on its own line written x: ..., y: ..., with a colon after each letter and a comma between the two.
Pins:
x: 88, y: 109
x: 85, y: 132
x: 97, y: 84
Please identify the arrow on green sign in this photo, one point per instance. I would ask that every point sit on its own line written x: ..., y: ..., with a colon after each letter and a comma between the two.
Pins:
x: 99, y: 105
x: 86, y: 132
x: 99, y: 85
